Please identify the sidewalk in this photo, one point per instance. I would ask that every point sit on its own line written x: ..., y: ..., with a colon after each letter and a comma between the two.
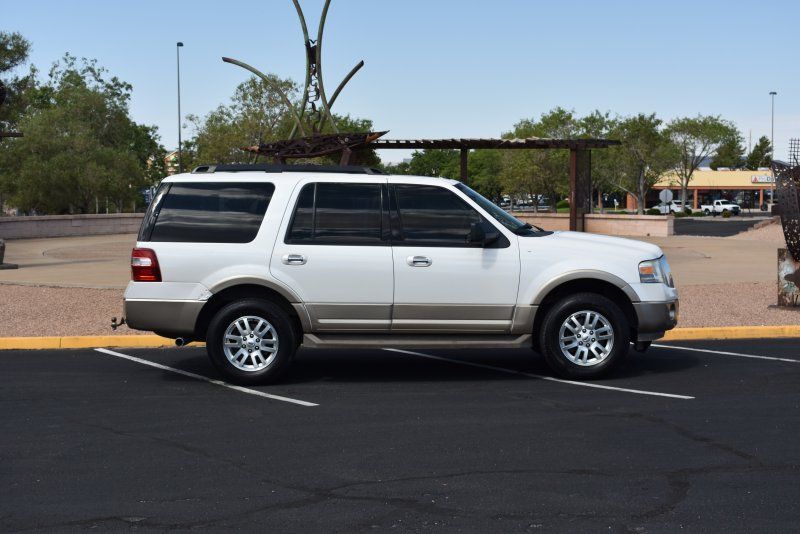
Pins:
x: 100, y: 262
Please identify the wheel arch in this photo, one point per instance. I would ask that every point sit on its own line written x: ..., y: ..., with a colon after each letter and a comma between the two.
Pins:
x: 248, y: 289
x: 607, y: 285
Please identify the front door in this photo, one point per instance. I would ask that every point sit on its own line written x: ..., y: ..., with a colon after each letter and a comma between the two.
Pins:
x: 442, y: 282
x: 334, y: 253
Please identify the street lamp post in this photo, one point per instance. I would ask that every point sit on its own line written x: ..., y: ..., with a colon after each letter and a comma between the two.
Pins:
x: 772, y: 139
x: 180, y: 152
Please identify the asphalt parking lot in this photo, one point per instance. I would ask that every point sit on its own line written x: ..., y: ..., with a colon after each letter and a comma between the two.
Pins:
x: 706, y: 439
x: 715, y: 226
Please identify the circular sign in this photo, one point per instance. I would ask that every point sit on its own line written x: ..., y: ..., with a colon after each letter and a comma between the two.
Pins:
x: 665, y: 195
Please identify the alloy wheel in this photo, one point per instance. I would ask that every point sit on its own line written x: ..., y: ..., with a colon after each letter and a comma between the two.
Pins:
x: 586, y: 338
x: 250, y: 343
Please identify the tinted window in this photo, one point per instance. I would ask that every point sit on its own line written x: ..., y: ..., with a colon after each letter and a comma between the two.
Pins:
x: 329, y: 213
x: 212, y: 212
x: 149, y: 219
x: 431, y: 215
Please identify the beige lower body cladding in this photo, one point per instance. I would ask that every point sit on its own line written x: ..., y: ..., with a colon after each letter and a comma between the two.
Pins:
x: 608, y: 224
x: 69, y: 225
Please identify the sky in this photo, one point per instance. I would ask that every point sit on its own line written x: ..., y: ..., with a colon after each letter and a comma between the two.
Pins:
x: 445, y: 68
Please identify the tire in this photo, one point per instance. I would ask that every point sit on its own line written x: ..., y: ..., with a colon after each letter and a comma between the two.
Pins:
x: 259, y: 325
x: 602, y: 356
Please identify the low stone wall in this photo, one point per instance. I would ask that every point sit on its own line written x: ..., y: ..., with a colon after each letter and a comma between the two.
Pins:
x: 128, y: 223
x: 69, y: 225
x: 608, y: 224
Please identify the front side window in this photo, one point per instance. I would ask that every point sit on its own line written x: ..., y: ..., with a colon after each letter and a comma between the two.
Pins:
x: 432, y: 216
x: 211, y: 212
x: 338, y: 214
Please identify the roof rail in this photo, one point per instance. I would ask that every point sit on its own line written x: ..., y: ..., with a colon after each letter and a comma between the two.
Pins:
x: 258, y: 167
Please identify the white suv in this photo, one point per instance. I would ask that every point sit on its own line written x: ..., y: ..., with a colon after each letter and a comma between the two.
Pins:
x: 257, y: 260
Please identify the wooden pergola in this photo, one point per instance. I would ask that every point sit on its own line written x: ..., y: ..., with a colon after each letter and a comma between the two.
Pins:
x: 580, y: 161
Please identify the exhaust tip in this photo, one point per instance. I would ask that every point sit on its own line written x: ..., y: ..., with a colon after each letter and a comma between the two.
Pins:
x: 180, y: 342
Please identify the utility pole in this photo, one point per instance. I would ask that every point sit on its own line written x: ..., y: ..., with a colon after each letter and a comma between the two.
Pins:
x: 772, y: 140
x: 180, y: 152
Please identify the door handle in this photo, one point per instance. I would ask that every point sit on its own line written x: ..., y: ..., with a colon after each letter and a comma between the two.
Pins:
x: 419, y: 261
x: 293, y: 259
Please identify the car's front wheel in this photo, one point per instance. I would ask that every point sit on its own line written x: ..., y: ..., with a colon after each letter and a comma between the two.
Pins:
x: 251, y: 341
x: 584, y: 336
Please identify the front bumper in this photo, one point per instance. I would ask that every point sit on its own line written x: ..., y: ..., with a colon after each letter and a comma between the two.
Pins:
x: 169, y: 318
x: 655, y: 318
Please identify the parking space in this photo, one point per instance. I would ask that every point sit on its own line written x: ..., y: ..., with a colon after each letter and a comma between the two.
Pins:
x: 694, y: 435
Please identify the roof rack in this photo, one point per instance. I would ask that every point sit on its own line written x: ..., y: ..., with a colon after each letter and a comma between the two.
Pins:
x: 242, y: 167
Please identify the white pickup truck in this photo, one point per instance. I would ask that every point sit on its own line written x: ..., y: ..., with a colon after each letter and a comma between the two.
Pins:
x: 721, y: 206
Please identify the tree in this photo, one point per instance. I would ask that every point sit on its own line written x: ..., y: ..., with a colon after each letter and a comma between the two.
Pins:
x: 540, y: 172
x: 435, y: 162
x: 255, y: 114
x: 599, y: 125
x: 80, y: 144
x: 761, y: 155
x: 484, y: 168
x: 646, y: 153
x: 730, y: 153
x: 14, y: 49
x: 697, y: 139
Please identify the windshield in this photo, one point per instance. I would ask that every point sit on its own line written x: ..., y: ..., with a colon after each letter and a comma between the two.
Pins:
x: 499, y: 214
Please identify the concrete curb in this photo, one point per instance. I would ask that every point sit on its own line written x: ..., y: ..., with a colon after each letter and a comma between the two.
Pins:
x: 732, y: 332
x: 150, y: 341
x: 84, y: 342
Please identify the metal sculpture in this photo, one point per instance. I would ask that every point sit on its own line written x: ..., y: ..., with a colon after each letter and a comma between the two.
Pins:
x: 313, y: 112
x: 787, y: 183
x: 314, y: 146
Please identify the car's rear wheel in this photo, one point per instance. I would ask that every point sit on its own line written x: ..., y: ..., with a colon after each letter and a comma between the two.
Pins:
x: 584, y: 336
x: 251, y: 341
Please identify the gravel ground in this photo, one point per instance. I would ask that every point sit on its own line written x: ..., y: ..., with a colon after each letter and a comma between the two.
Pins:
x: 772, y: 233
x: 737, y: 304
x: 59, y: 311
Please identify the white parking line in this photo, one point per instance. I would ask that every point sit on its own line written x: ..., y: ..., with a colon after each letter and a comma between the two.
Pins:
x: 725, y: 353
x: 206, y: 379
x: 543, y: 377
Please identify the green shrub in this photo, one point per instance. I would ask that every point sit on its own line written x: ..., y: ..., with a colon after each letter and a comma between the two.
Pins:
x: 561, y: 204
x: 652, y: 211
x: 687, y: 210
x: 680, y: 214
x: 726, y: 215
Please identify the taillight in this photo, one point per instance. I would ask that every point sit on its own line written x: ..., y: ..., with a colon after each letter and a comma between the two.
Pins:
x: 144, y: 265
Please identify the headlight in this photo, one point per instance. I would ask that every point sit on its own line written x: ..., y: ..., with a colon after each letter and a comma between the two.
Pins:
x: 656, y: 272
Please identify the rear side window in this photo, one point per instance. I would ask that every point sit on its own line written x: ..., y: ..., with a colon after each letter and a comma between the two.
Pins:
x: 210, y: 212
x: 338, y: 214
x: 432, y: 216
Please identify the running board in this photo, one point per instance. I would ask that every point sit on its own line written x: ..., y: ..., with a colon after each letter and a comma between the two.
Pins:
x: 416, y: 341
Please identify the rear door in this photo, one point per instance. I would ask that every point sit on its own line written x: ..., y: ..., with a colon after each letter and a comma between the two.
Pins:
x: 442, y: 282
x: 333, y: 251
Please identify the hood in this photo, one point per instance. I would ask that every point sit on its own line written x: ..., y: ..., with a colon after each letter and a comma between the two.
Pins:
x: 608, y: 244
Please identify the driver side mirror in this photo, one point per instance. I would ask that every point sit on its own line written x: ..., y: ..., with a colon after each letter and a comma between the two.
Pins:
x: 479, y: 237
